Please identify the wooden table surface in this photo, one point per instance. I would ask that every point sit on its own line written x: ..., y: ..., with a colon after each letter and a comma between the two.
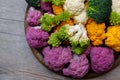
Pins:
x: 16, y: 59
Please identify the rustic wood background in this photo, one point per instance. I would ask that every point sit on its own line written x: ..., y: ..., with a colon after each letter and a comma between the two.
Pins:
x: 16, y: 59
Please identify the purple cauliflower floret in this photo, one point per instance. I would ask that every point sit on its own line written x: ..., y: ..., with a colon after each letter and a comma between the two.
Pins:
x: 46, y: 6
x: 55, y: 58
x: 78, y: 68
x: 36, y: 37
x: 33, y: 17
x: 102, y: 59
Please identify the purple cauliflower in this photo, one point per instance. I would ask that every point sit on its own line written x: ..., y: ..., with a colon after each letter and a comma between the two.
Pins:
x: 33, y: 17
x: 79, y: 67
x: 46, y: 6
x: 36, y: 37
x: 55, y: 58
x: 102, y: 59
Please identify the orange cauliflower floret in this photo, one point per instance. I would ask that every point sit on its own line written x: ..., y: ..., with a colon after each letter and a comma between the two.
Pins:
x: 96, y: 32
x: 113, y: 37
x: 57, y: 9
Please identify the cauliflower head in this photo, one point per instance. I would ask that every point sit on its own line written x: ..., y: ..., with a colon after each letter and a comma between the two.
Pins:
x: 46, y: 6
x: 116, y: 6
x: 56, y: 57
x: 102, y: 59
x: 113, y: 37
x: 74, y: 7
x: 36, y: 37
x: 96, y: 32
x: 77, y: 35
x: 81, y: 18
x: 79, y: 67
x: 33, y: 16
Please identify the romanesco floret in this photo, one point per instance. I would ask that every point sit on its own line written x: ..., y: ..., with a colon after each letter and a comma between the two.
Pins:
x: 54, y: 40
x: 114, y: 18
x: 48, y: 21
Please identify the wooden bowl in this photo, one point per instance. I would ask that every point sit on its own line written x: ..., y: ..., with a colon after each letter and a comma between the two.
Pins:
x: 91, y: 74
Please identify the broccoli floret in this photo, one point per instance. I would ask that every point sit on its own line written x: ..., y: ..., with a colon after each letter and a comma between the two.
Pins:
x: 114, y: 18
x: 99, y: 10
x: 33, y: 3
x: 48, y: 21
x: 55, y: 2
x: 54, y: 40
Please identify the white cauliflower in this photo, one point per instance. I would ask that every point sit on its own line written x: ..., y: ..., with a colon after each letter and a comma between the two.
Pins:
x: 81, y: 18
x: 78, y: 34
x: 75, y: 7
x: 116, y: 6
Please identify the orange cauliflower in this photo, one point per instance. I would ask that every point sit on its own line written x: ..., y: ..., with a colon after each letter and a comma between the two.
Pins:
x: 96, y: 32
x: 57, y: 9
x: 113, y: 37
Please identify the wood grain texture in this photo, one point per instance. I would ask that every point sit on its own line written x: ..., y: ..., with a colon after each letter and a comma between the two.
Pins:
x: 16, y: 59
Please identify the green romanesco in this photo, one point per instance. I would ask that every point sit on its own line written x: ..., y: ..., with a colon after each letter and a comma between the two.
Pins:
x: 114, y: 18
x: 48, y: 21
x: 54, y: 40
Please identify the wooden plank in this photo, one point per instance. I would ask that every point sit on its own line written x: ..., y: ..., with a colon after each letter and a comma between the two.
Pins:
x: 11, y: 27
x: 16, y: 58
x: 12, y: 9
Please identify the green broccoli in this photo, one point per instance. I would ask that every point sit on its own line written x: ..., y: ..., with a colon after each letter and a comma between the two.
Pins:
x: 99, y: 10
x: 48, y: 21
x: 114, y: 18
x: 55, y: 2
x: 33, y: 3
x: 54, y: 40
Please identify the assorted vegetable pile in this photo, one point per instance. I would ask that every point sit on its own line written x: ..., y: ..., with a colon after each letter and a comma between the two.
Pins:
x: 75, y: 36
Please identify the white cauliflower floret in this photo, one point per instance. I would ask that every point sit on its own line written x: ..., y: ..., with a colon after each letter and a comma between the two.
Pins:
x: 81, y: 18
x: 75, y: 7
x: 78, y: 34
x: 116, y: 6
